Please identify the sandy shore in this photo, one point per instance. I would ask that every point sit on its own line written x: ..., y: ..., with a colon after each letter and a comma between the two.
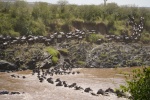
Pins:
x: 34, y: 90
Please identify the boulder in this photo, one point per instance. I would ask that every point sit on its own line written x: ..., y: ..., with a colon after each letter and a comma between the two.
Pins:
x: 5, y: 65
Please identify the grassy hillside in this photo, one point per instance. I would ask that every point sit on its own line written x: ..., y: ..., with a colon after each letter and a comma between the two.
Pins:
x: 40, y: 18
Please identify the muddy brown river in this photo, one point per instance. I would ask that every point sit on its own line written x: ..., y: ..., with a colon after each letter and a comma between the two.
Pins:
x: 31, y: 89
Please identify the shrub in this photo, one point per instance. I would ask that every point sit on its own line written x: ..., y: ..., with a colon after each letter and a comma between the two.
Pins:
x: 37, y: 27
x: 55, y: 60
x: 139, y: 86
x: 145, y: 37
x: 13, y: 33
x: 82, y: 63
x: 94, y: 37
x: 54, y: 53
x: 119, y: 25
x: 147, y: 25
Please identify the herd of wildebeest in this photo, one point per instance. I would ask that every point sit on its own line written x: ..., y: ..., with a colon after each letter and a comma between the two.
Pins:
x: 47, y: 75
x: 42, y: 75
x: 78, y: 35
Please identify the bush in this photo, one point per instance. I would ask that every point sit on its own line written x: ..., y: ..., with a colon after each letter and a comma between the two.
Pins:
x: 55, y: 60
x: 147, y: 25
x: 55, y: 54
x: 52, y: 51
x: 145, y: 37
x: 13, y: 33
x: 82, y: 63
x: 94, y: 37
x: 139, y: 86
x: 37, y: 27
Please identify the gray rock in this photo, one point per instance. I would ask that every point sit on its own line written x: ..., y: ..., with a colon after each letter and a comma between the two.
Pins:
x: 5, y: 65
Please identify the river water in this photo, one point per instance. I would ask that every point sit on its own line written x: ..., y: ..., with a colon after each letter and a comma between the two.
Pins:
x: 31, y: 89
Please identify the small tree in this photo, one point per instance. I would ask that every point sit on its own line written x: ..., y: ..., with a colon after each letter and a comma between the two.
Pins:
x: 105, y: 2
x: 139, y: 86
x: 62, y: 4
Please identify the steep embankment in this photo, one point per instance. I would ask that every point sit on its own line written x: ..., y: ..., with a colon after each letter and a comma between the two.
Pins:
x: 98, y: 27
x: 25, y: 56
x: 119, y: 55
x: 110, y: 55
x: 105, y: 55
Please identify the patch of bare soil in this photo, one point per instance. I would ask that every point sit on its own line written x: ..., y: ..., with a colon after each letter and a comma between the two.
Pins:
x: 34, y: 90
